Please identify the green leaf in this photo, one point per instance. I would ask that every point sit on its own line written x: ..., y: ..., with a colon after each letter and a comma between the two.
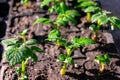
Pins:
x: 61, y: 42
x: 93, y: 27
x: 91, y: 9
x: 51, y: 9
x: 11, y: 41
x: 87, y: 4
x: 45, y: 2
x: 33, y: 55
x: 72, y: 13
x: 54, y: 35
x: 103, y: 19
x: 61, y: 22
x: 71, y: 19
x: 69, y: 60
x: 37, y: 49
x: 102, y: 59
x: 63, y: 7
x: 61, y: 57
x: 115, y: 21
x: 83, y: 41
x: 15, y: 55
x: 95, y: 17
x: 24, y: 32
x: 31, y: 42
x: 43, y: 20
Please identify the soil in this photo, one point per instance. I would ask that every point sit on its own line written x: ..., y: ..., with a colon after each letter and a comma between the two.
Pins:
x: 22, y: 17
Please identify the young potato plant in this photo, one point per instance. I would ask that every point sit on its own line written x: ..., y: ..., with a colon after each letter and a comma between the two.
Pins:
x: 102, y: 18
x: 89, y: 7
x: 20, y: 51
x: 102, y: 60
x: 62, y: 19
x: 55, y: 36
x: 56, y: 5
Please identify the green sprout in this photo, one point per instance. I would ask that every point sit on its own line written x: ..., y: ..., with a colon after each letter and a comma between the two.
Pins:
x: 65, y: 60
x: 55, y: 36
x: 102, y: 18
x: 56, y: 5
x: 20, y: 52
x: 63, y: 18
x: 88, y: 7
x: 70, y: 47
x: 102, y: 60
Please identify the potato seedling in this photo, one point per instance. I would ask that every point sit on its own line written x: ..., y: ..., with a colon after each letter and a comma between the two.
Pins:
x: 20, y: 52
x: 63, y: 18
x: 88, y: 7
x: 65, y: 60
x: 56, y: 5
x: 55, y: 36
x: 102, y: 18
x: 102, y: 60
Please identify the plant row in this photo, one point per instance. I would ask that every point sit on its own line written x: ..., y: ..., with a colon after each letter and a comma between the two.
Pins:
x: 20, y: 50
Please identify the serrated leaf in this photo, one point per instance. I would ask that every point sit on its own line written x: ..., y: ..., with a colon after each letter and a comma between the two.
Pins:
x: 11, y: 41
x: 37, y: 49
x: 14, y: 55
x: 31, y: 42
x: 69, y: 60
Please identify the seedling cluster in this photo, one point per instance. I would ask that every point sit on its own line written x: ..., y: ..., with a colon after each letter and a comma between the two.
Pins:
x: 20, y: 50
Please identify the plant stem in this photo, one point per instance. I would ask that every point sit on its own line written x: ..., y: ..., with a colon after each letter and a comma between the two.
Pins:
x: 102, y: 68
x: 88, y: 16
x: 23, y: 68
x: 63, y: 70
x: 94, y: 37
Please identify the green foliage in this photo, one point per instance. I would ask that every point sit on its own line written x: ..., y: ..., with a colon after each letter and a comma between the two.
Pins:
x: 42, y: 20
x: 65, y: 59
x: 62, y: 19
x: 102, y: 59
x: 54, y: 35
x: 18, y: 51
x: 45, y: 2
x: 91, y: 9
x: 83, y: 41
x: 103, y: 18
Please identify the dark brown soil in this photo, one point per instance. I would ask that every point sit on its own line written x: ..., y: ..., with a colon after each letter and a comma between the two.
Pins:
x: 47, y: 68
